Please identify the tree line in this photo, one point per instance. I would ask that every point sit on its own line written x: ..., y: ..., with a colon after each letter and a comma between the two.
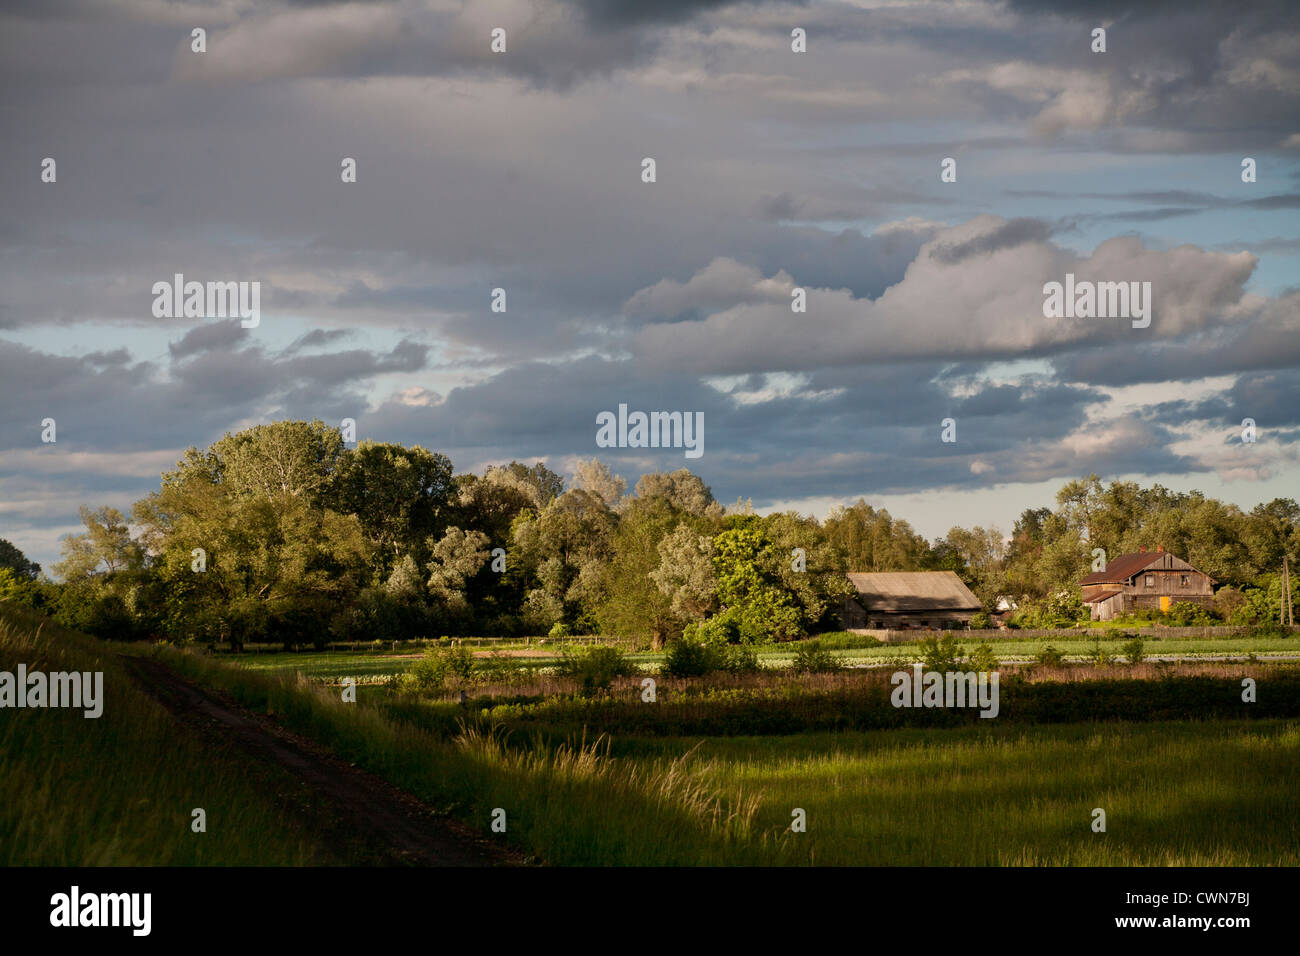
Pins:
x: 281, y: 533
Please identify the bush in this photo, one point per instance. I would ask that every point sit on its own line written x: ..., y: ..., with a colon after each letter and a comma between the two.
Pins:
x: 1133, y: 650
x: 980, y: 621
x: 982, y: 659
x: 460, y: 661
x: 431, y: 672
x: 1188, y: 614
x: 501, y: 668
x: 1100, y: 655
x: 941, y: 655
x: 720, y: 629
x: 596, y: 667
x: 692, y: 659
x: 1050, y: 656
x: 1064, y: 609
x: 426, y: 675
x: 687, y: 658
x: 19, y: 588
x: 558, y: 631
x: 811, y: 658
x: 741, y: 660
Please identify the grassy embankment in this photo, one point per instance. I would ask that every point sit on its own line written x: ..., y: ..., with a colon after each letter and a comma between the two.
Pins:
x: 118, y: 790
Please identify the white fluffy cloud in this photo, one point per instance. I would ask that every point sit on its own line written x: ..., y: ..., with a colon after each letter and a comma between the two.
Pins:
x: 967, y: 294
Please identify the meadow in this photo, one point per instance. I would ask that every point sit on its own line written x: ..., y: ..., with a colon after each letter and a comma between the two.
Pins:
x: 369, y: 664
x: 118, y: 790
x: 711, y: 773
x: 1176, y: 792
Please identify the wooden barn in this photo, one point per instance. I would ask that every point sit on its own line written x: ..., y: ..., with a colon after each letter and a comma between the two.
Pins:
x: 898, y: 600
x: 1146, y: 579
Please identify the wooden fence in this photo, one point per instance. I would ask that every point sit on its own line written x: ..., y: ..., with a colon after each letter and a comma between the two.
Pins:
x: 1060, y: 633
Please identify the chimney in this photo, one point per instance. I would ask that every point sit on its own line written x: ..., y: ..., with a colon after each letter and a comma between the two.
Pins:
x: 1160, y: 549
x: 1142, y: 549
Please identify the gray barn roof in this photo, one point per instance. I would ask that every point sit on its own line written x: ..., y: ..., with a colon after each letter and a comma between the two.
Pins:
x: 903, y: 591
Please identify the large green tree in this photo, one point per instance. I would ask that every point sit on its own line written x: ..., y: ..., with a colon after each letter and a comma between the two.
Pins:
x: 401, y: 496
x: 16, y: 561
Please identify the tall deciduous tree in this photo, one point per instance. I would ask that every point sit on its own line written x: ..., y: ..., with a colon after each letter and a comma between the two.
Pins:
x: 16, y: 561
x: 400, y: 495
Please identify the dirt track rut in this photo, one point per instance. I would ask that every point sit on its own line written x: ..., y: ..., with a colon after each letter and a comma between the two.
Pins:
x: 352, y: 810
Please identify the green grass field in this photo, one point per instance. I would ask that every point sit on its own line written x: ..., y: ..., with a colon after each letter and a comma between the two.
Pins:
x: 118, y: 790
x: 371, y: 665
x: 1175, y: 793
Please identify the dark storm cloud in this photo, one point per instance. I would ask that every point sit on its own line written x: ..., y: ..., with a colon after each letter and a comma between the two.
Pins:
x: 1173, y: 203
x: 1268, y: 341
x: 876, y: 434
x: 317, y: 338
x: 121, y: 406
x: 613, y: 14
x: 1015, y: 232
x: 220, y: 334
x: 1270, y: 398
x: 520, y: 170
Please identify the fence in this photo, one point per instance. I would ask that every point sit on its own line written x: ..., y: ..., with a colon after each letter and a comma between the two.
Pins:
x: 1061, y: 633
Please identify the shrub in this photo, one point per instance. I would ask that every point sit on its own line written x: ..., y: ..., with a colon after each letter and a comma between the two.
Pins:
x: 692, y: 659
x: 1133, y: 650
x: 720, y: 629
x: 687, y: 658
x: 741, y: 660
x: 940, y: 655
x: 1050, y: 656
x: 596, y: 667
x: 558, y: 631
x: 982, y: 658
x: 426, y: 675
x: 811, y: 658
x: 432, y: 671
x: 980, y: 621
x: 1187, y: 614
x: 19, y: 588
x: 501, y: 668
x: 1100, y: 655
x: 460, y: 661
x: 1064, y: 609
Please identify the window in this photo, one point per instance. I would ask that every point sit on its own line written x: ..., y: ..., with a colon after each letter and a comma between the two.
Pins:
x: 1151, y: 580
x: 1186, y: 581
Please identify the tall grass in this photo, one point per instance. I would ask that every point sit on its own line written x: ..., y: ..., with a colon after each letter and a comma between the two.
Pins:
x: 565, y: 804
x: 118, y: 790
x: 1209, y: 793
x: 1174, y: 794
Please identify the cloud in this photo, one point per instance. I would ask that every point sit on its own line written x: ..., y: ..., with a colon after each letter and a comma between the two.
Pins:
x: 210, y: 335
x: 521, y: 171
x: 723, y: 282
x: 980, y: 296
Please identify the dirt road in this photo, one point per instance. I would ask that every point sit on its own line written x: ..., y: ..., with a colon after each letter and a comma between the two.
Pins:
x: 362, y: 818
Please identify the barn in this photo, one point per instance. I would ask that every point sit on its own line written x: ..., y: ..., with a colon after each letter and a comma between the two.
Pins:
x: 898, y: 600
x: 1154, y: 580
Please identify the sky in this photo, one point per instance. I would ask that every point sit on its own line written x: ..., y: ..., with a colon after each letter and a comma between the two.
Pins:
x: 775, y: 170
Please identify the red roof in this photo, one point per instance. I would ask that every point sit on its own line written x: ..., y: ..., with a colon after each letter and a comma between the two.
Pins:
x: 1124, y: 567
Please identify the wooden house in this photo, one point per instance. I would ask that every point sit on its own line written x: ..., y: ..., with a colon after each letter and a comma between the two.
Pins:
x: 1153, y: 580
x: 898, y: 600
